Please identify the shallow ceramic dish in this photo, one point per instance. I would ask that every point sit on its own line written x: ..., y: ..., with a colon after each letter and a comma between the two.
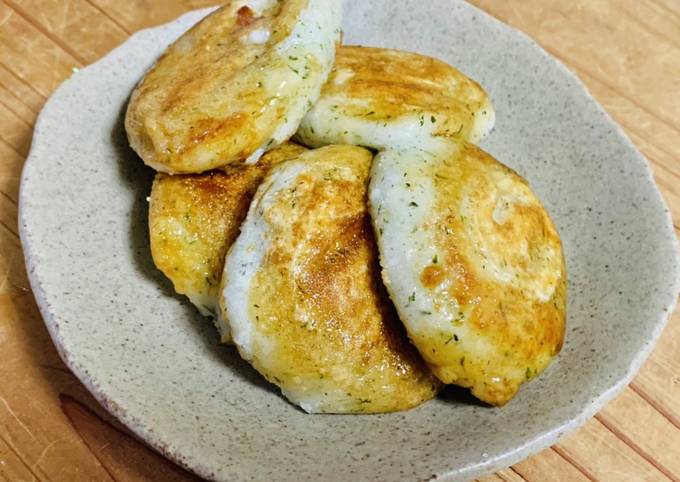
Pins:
x: 156, y: 364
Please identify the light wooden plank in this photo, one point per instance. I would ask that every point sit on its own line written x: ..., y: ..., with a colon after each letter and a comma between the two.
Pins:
x: 653, y: 17
x: 634, y: 420
x: 509, y: 475
x: 15, y: 131
x: 138, y: 14
x: 26, y: 16
x: 31, y: 421
x: 635, y: 120
x: 21, y: 90
x: 490, y: 478
x: 655, y: 140
x: 12, y: 467
x: 32, y: 56
x: 670, y: 6
x: 123, y: 457
x: 659, y: 379
x: 596, y: 38
x: 13, y: 279
x: 548, y: 466
x: 669, y: 184
x: 659, y: 386
x: 13, y: 103
x: 600, y: 453
x: 8, y: 215
x: 664, y: 166
x: 10, y: 171
x: 77, y: 23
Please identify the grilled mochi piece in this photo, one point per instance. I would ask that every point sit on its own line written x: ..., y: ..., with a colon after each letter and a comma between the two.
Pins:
x: 473, y: 264
x: 234, y: 86
x: 303, y: 294
x: 194, y: 219
x: 383, y: 98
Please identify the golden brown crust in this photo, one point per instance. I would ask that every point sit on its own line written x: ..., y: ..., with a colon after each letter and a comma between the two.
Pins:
x: 525, y: 329
x: 398, y: 83
x: 216, y: 96
x: 194, y: 219
x: 489, y: 305
x: 317, y: 302
x: 372, y: 89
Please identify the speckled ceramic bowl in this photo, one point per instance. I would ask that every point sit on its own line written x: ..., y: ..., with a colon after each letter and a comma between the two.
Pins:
x: 156, y: 364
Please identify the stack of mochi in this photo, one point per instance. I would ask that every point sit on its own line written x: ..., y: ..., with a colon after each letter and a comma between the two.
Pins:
x: 328, y: 207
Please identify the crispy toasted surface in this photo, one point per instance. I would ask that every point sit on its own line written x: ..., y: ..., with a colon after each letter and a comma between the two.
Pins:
x: 473, y: 264
x: 388, y: 98
x: 194, y: 219
x: 235, y: 85
x: 303, y: 293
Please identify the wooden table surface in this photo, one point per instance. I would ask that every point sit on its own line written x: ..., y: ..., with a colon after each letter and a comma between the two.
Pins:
x: 626, y: 51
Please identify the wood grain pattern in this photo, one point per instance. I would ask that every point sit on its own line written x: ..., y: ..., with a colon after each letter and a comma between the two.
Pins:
x: 71, y: 24
x: 10, y: 168
x: 640, y: 426
x: 659, y: 379
x: 30, y: 55
x: 598, y: 452
x: 122, y: 456
x: 14, y: 130
x: 627, y: 52
x: 133, y: 15
x: 549, y: 466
